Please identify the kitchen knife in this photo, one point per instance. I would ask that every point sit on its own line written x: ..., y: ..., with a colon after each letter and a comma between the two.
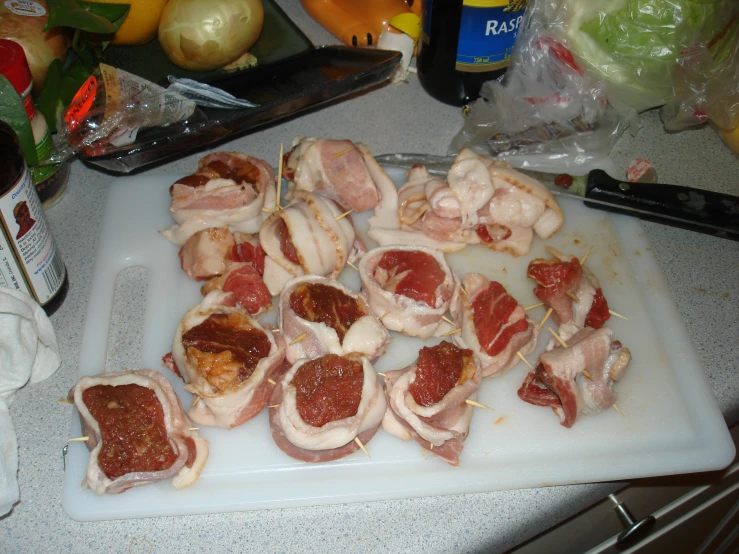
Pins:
x: 704, y: 211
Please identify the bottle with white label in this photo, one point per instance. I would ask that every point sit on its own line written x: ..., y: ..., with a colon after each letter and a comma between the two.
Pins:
x: 29, y: 259
x: 465, y: 43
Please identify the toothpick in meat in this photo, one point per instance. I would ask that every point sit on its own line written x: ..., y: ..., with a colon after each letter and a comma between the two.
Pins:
x: 554, y: 252
x: 279, y: 179
x: 546, y: 316
x: 573, y: 296
x: 360, y: 445
x: 556, y: 336
x: 298, y: 339
x: 452, y: 332
x: 449, y: 321
x: 79, y: 439
x: 525, y: 360
x: 477, y: 404
x: 352, y: 265
x: 271, y: 382
x: 615, y: 314
x: 585, y: 257
x: 527, y: 308
x: 342, y: 216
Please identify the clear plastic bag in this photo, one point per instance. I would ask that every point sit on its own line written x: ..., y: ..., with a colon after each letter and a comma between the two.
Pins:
x: 706, y: 83
x: 581, y: 71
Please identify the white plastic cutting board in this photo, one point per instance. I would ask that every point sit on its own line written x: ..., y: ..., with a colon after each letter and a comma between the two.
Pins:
x: 670, y: 424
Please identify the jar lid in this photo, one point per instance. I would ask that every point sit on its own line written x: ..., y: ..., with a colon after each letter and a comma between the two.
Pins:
x: 14, y: 66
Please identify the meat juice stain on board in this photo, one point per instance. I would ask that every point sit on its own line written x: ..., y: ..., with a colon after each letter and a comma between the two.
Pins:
x: 29, y: 259
x: 465, y: 43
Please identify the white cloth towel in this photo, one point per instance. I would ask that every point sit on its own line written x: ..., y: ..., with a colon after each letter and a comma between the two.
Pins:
x: 28, y: 353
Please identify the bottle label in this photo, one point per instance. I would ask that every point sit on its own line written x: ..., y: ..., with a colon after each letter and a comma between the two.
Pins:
x: 487, y: 33
x: 29, y: 260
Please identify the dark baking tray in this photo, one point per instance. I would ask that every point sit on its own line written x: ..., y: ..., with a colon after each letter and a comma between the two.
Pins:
x: 292, y: 76
x: 280, y: 39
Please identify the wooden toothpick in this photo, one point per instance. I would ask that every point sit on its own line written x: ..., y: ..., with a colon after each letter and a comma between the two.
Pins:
x: 614, y: 314
x: 556, y: 336
x: 452, y: 332
x: 274, y: 406
x: 351, y: 265
x: 554, y: 252
x: 378, y: 373
x: 527, y: 308
x: 65, y: 400
x: 432, y: 446
x: 342, y: 152
x: 463, y: 291
x: 194, y: 428
x: 79, y: 439
x: 573, y: 296
x: 615, y: 406
x: 267, y: 210
x: 477, y: 404
x: 546, y: 316
x: 298, y: 339
x: 449, y: 321
x: 279, y: 180
x: 342, y: 216
x: 360, y: 445
x: 585, y: 257
x: 194, y: 402
x: 587, y: 374
x: 525, y: 360
x: 271, y: 382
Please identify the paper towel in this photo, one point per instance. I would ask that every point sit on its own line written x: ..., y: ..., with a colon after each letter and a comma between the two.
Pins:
x: 28, y: 353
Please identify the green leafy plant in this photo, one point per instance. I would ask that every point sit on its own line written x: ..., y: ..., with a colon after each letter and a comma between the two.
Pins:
x: 14, y: 114
x: 93, y: 25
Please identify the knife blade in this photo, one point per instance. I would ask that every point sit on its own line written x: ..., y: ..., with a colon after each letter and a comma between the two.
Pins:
x: 708, y: 212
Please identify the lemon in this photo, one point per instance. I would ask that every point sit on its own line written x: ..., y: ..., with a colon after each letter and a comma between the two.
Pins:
x: 730, y: 137
x: 141, y: 23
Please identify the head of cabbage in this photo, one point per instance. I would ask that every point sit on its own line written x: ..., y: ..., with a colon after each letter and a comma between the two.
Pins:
x: 200, y: 35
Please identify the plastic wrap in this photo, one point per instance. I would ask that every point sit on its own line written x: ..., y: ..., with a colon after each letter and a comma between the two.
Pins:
x: 706, y: 83
x: 581, y: 71
x: 109, y: 110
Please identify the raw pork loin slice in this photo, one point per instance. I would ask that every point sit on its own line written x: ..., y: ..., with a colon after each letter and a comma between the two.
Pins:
x: 330, y: 318
x: 556, y: 278
x: 409, y: 288
x: 227, y: 189
x: 305, y: 238
x: 337, y: 169
x: 138, y: 433
x: 560, y: 379
x: 227, y: 359
x: 323, y: 405
x: 426, y: 400
x: 493, y: 324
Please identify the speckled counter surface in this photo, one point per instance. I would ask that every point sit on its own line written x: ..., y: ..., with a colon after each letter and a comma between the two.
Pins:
x: 701, y: 272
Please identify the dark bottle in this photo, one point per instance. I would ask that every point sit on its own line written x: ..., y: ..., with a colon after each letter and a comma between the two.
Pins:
x: 465, y: 43
x: 29, y: 259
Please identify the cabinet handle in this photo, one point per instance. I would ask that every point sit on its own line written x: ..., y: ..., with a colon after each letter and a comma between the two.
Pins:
x: 633, y: 530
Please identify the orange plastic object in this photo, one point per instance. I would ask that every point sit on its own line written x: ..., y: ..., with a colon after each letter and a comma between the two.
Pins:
x: 357, y: 22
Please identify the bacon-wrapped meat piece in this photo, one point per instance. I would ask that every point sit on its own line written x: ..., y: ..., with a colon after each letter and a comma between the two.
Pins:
x: 305, y: 238
x: 207, y: 253
x: 426, y: 400
x: 138, y: 433
x: 483, y: 202
x: 337, y: 169
x: 227, y: 189
x: 227, y: 359
x: 571, y: 290
x: 493, y: 324
x: 324, y: 404
x: 330, y: 318
x: 409, y: 288
x: 577, y: 379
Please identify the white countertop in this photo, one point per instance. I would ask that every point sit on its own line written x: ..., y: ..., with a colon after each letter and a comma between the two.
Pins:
x: 701, y: 272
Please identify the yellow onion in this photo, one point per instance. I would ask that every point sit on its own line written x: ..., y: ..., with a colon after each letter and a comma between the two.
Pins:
x: 27, y: 30
x: 200, y: 35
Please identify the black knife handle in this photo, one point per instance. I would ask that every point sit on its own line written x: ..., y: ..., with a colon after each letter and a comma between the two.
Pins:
x: 704, y: 211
